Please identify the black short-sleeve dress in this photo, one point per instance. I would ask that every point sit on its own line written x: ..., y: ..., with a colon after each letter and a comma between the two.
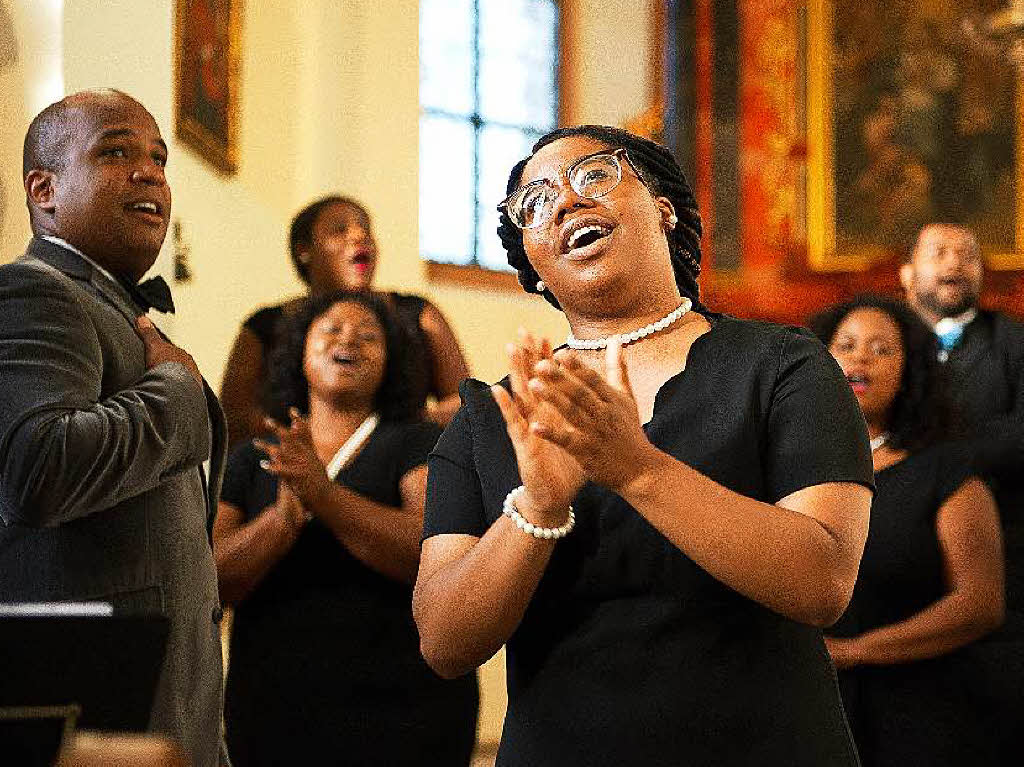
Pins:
x: 928, y: 712
x: 631, y: 654
x: 325, y: 665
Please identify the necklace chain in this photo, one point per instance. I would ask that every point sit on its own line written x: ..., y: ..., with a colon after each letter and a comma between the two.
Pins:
x: 627, y: 338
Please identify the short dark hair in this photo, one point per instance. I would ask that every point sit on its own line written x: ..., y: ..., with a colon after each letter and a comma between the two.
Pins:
x: 397, y: 399
x: 922, y: 413
x: 908, y: 254
x: 657, y: 168
x: 47, y: 140
x: 300, y: 234
x: 49, y: 134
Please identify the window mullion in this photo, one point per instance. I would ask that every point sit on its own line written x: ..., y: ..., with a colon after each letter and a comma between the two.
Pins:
x: 477, y: 124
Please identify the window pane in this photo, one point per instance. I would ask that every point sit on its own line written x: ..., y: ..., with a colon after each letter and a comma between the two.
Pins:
x: 500, y: 149
x: 446, y: 189
x: 446, y: 55
x: 517, y: 62
x: 505, y: 75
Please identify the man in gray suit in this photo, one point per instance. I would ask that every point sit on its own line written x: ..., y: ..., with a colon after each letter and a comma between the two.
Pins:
x: 104, y: 424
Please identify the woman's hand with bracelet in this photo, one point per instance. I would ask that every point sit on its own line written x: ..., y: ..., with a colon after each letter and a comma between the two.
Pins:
x: 551, y: 476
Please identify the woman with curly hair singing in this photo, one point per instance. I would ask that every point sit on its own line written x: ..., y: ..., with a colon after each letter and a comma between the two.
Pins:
x: 931, y: 580
x: 317, y: 545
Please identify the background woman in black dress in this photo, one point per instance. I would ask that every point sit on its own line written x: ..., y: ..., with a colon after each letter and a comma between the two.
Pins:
x: 931, y: 580
x: 718, y: 471
x: 332, y: 248
x: 324, y: 663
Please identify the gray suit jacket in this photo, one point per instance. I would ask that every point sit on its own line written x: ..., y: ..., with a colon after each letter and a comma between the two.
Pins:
x: 102, y: 491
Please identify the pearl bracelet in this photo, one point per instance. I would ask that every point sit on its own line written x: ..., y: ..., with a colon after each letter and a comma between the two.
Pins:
x: 508, y: 508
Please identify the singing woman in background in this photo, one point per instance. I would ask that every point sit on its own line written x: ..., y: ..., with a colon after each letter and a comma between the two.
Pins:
x: 931, y: 579
x: 317, y: 542
x: 657, y: 520
x: 332, y: 247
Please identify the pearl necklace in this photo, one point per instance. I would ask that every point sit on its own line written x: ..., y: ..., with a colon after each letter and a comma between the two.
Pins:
x: 352, y: 445
x: 878, y: 441
x: 627, y: 338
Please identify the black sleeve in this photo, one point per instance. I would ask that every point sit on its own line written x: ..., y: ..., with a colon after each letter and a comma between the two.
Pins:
x: 816, y: 432
x: 454, y: 500
x: 64, y: 452
x: 954, y: 466
x: 999, y: 445
x: 409, y: 306
x: 418, y: 439
x: 242, y: 464
x: 264, y: 324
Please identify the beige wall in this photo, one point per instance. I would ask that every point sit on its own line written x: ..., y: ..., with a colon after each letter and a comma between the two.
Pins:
x: 30, y: 78
x: 329, y: 103
x: 611, y: 65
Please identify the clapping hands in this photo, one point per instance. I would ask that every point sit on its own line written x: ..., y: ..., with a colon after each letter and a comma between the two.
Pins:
x: 570, y: 423
x: 290, y: 508
x: 293, y: 459
x: 551, y: 476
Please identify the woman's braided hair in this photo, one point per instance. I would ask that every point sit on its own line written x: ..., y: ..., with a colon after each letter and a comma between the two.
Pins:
x: 657, y: 168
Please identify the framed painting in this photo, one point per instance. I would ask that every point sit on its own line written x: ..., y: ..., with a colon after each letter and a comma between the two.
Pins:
x: 207, y: 37
x: 908, y: 122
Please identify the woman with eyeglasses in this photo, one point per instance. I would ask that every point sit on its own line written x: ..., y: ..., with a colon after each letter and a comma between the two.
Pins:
x: 931, y: 579
x: 657, y: 519
x: 316, y: 543
x: 333, y: 248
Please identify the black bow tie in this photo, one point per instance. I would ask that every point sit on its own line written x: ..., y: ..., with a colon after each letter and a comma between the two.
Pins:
x: 152, y: 294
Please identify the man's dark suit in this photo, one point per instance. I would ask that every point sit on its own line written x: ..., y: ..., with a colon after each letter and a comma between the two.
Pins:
x: 102, y: 492
x: 987, y: 368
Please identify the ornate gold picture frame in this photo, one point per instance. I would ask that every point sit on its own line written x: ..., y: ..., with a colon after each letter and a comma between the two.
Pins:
x: 207, y: 39
x: 908, y: 123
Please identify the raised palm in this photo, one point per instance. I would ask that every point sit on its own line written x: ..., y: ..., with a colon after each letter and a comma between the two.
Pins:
x: 551, y: 476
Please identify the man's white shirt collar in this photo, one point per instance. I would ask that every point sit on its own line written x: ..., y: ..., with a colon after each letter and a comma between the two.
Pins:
x: 76, y: 251
x: 947, y: 324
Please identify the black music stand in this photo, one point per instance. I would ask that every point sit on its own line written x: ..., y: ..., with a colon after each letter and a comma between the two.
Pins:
x: 105, y: 666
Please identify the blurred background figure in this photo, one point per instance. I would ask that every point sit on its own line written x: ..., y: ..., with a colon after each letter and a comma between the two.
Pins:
x: 983, y: 353
x: 931, y: 579
x: 317, y: 545
x: 333, y: 248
